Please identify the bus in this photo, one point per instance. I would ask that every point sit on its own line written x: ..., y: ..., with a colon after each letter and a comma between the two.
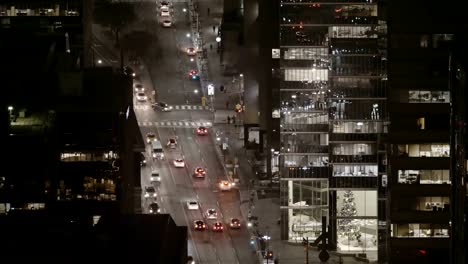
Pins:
x: 157, y: 150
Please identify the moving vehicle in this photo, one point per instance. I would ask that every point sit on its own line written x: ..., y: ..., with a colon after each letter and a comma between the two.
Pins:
x: 172, y: 143
x: 191, y: 51
x: 142, y: 159
x: 211, y: 214
x: 202, y: 131
x: 155, y: 176
x: 162, y: 107
x: 158, y: 152
x: 179, y: 162
x: 154, y: 208
x: 225, y: 185
x: 139, y: 88
x: 150, y: 137
x: 150, y: 192
x: 218, y: 227
x: 193, y: 74
x: 141, y: 97
x: 234, y: 223
x: 192, y: 205
x: 199, y: 172
x: 129, y: 71
x: 199, y: 225
x: 166, y: 23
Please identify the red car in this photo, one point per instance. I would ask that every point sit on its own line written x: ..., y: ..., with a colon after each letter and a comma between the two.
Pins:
x: 201, y: 131
x: 218, y: 227
x: 199, y: 172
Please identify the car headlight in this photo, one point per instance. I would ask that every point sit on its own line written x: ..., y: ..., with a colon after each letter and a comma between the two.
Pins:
x: 146, y: 194
x: 152, y: 179
x: 162, y: 155
x: 170, y: 107
x: 159, y: 210
x: 154, y: 155
x: 154, y: 194
x: 158, y: 178
x: 151, y: 211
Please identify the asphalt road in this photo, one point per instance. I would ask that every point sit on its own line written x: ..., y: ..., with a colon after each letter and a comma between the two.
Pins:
x: 168, y: 68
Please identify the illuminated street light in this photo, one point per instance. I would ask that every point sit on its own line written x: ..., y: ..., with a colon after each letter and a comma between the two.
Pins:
x: 10, y: 108
x: 218, y: 39
x: 99, y: 61
x: 185, y: 10
x: 249, y: 224
x: 195, y: 91
x: 241, y: 75
x: 191, y: 59
x: 188, y: 35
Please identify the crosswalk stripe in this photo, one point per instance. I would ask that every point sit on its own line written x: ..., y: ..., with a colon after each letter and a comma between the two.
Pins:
x: 176, y: 107
x: 186, y: 124
x: 181, y: 124
x: 199, y: 124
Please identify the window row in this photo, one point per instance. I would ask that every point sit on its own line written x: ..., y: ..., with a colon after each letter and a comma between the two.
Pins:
x: 357, y: 127
x: 424, y: 176
x: 355, y: 170
x: 27, y: 10
x: 80, y: 156
x: 354, y: 149
x: 304, y: 160
x: 305, y: 54
x: 428, y: 96
x: 424, y: 150
x: 419, y: 230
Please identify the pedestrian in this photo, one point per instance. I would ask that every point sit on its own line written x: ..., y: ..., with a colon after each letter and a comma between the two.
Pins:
x: 211, y: 46
x: 233, y: 120
x: 214, y: 29
x: 208, y: 11
x: 229, y: 120
x: 227, y: 104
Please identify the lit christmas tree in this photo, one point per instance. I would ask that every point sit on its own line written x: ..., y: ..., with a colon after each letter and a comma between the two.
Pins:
x: 347, y: 227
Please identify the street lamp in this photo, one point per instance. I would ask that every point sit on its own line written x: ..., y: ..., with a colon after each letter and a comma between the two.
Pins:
x: 99, y: 61
x: 185, y: 10
x: 10, y: 108
x: 195, y: 91
x: 191, y: 59
x: 188, y: 35
x: 218, y: 39
x: 241, y: 75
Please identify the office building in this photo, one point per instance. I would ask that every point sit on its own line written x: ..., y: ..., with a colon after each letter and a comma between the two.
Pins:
x: 426, y: 163
x: 333, y: 114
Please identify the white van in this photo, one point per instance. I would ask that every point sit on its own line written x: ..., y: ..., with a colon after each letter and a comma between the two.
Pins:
x: 155, y: 176
x: 157, y: 150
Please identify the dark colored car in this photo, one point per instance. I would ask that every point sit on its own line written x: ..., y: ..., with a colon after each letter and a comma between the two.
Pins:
x: 154, y: 208
x: 199, y: 225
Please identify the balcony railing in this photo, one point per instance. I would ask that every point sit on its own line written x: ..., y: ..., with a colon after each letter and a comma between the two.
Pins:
x: 304, y: 128
x: 305, y: 149
x: 353, y: 158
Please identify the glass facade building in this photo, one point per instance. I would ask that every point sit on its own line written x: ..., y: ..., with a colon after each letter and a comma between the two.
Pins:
x: 333, y: 114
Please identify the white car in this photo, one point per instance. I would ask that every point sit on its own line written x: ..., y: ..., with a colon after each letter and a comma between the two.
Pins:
x: 192, y: 205
x: 225, y: 185
x: 141, y: 97
x: 150, y: 192
x: 211, y: 214
x: 155, y: 177
x: 165, y: 13
x: 179, y: 163
x: 166, y: 23
x: 139, y: 88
